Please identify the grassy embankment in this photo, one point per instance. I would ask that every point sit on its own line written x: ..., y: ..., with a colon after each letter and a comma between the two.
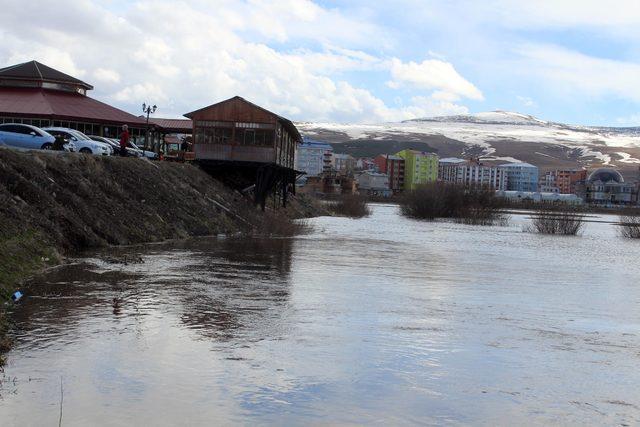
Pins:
x: 54, y: 204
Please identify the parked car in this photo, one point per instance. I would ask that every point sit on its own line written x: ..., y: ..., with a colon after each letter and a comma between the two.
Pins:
x: 139, y: 152
x: 83, y: 143
x: 146, y: 153
x: 27, y: 137
x: 115, y: 145
x: 132, y: 152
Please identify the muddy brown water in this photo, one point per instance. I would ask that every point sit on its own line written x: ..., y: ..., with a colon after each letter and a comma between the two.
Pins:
x: 380, y: 320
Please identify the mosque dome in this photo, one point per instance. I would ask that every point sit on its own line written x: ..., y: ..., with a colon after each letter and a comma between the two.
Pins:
x: 606, y: 175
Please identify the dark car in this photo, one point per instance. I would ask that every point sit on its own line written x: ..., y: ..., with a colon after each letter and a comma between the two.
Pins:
x: 113, y: 144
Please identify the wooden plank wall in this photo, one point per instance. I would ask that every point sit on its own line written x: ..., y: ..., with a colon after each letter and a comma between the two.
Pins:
x: 235, y: 110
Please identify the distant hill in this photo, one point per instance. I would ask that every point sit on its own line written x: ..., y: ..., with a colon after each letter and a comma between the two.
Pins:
x: 371, y: 148
x: 496, y: 137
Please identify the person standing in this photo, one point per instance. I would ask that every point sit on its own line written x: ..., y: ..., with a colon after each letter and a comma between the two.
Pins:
x: 124, y: 140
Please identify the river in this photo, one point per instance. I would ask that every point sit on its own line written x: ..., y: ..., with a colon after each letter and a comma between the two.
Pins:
x: 380, y: 320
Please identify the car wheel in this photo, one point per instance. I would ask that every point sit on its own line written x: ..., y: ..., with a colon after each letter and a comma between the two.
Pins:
x: 47, y: 146
x: 86, y: 150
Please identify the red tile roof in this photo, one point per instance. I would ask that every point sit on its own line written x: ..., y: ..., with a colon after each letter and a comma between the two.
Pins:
x: 42, y: 103
x: 173, y: 125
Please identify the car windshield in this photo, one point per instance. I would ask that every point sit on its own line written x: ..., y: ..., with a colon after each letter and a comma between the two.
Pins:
x: 79, y: 135
x: 55, y: 132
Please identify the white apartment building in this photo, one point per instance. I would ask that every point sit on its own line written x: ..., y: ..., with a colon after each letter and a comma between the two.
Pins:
x: 314, y: 157
x: 471, y: 173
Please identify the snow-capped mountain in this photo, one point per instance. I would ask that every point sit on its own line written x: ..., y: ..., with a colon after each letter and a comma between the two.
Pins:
x: 491, y: 117
x: 494, y: 136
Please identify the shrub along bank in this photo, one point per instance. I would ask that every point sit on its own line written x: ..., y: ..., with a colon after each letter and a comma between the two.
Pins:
x: 54, y: 204
x: 351, y: 205
x: 475, y: 205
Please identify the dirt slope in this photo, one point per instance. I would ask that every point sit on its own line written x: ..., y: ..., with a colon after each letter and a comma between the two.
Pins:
x: 58, y: 203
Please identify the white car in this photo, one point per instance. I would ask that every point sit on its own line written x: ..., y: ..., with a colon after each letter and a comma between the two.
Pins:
x: 144, y: 153
x: 82, y: 142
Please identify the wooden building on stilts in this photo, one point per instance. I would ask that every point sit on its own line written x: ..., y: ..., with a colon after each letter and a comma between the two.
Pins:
x: 247, y: 146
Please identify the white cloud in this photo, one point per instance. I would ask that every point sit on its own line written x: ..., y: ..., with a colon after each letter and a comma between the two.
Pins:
x: 617, y: 18
x: 631, y: 120
x: 138, y: 93
x: 619, y: 15
x: 207, y: 51
x: 526, y: 101
x: 106, y: 75
x: 433, y: 74
x: 430, y: 106
x: 576, y: 73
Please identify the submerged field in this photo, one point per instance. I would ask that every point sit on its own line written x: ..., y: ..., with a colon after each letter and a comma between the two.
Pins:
x: 381, y: 319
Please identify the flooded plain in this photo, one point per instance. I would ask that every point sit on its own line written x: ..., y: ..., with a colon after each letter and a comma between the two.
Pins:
x: 380, y: 320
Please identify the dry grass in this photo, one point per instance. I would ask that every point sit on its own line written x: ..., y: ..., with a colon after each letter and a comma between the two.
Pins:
x: 273, y: 224
x: 567, y: 223
x: 352, y: 206
x: 630, y: 226
x: 477, y: 206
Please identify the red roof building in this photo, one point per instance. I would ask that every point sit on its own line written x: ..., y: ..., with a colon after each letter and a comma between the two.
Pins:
x: 35, y: 94
x: 169, y: 126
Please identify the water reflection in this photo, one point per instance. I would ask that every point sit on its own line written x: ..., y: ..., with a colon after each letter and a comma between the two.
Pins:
x: 216, y: 287
x: 381, y: 320
x: 238, y: 289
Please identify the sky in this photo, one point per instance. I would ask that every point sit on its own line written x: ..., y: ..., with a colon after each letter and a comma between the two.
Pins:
x: 360, y: 61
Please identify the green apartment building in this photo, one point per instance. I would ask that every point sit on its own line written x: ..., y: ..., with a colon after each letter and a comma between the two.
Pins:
x: 419, y: 168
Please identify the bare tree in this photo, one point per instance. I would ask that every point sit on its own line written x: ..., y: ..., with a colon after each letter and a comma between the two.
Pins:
x: 630, y: 226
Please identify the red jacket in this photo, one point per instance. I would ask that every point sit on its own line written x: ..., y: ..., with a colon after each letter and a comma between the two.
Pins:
x: 124, y: 139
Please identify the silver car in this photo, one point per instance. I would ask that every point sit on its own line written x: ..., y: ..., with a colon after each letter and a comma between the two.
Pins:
x: 82, y: 142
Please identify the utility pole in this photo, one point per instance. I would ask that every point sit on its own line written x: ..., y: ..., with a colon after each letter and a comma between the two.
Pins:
x: 148, y: 109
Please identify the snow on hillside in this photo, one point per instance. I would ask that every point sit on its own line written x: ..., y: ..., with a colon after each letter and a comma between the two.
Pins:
x: 491, y: 117
x: 481, y: 129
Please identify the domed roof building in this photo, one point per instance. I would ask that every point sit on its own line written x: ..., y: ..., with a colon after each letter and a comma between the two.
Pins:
x: 605, y: 175
x: 606, y: 186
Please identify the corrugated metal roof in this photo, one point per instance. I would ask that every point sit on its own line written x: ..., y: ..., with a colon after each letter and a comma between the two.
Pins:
x: 34, y: 103
x: 36, y: 71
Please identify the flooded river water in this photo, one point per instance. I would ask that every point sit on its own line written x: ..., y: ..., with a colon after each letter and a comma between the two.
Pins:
x: 380, y: 320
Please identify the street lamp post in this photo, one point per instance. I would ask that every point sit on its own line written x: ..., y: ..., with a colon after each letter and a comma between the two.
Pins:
x: 148, y: 109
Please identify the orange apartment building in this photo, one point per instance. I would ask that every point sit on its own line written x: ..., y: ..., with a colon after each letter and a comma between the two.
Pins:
x: 563, y: 181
